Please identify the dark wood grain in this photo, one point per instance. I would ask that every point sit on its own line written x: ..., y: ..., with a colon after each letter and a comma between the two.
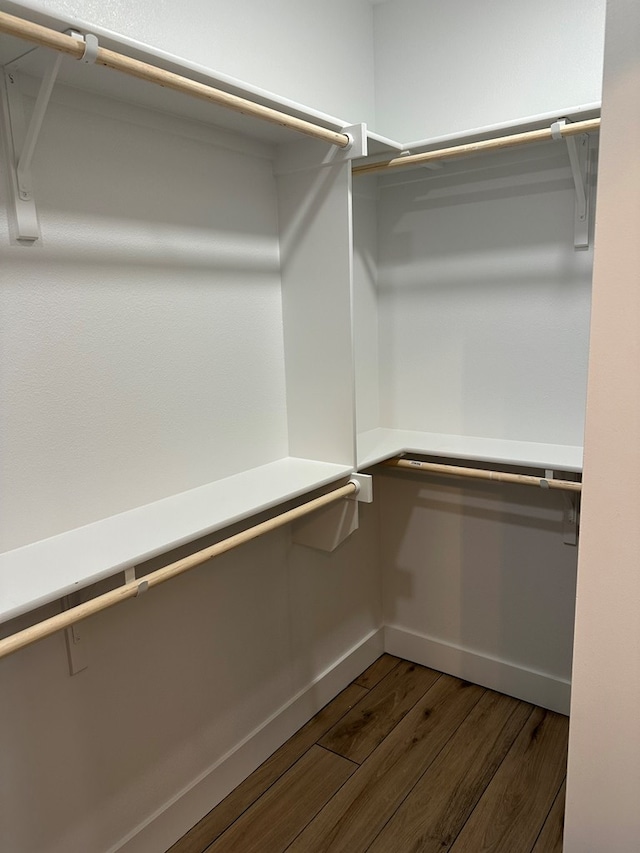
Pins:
x: 464, y: 770
x: 221, y: 817
x: 550, y: 839
x: 275, y: 819
x: 377, y: 671
x: 515, y: 805
x: 437, y: 808
x: 351, y: 820
x: 361, y: 730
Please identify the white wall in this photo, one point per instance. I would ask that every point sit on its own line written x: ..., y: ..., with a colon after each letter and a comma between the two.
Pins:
x: 447, y: 67
x: 318, y: 54
x: 604, y: 749
x: 125, y: 330
x: 477, y: 581
x: 483, y: 300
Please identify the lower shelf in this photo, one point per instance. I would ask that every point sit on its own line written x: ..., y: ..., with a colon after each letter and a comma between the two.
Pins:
x: 44, y: 571
x: 376, y: 445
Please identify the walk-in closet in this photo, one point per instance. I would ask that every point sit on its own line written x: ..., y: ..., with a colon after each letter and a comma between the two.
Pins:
x: 302, y: 412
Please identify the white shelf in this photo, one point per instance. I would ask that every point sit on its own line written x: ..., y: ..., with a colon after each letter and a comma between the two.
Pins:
x: 46, y: 570
x: 376, y: 445
x: 106, y: 82
x: 521, y: 125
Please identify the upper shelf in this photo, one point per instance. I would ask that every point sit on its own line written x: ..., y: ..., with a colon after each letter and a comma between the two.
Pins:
x: 51, y: 568
x: 33, y: 61
x: 24, y: 56
x: 376, y: 445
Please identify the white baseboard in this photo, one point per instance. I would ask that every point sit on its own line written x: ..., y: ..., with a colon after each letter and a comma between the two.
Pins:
x: 161, y: 829
x: 526, y: 684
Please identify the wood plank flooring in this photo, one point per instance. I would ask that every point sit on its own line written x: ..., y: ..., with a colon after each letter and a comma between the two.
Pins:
x: 404, y: 760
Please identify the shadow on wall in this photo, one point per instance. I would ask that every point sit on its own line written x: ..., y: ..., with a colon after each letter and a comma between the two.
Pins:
x: 116, y: 192
x: 480, y: 566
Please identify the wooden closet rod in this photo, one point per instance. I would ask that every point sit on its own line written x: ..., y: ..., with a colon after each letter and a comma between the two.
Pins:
x: 130, y: 590
x: 512, y: 141
x: 480, y: 474
x: 45, y: 37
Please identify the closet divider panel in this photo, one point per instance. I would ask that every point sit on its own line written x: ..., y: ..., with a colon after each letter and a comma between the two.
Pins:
x: 365, y: 303
x: 314, y: 206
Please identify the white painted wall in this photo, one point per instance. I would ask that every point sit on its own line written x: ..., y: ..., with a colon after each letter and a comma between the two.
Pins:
x: 483, y: 300
x: 604, y: 748
x: 447, y: 67
x: 477, y: 581
x: 318, y: 54
x: 141, y: 338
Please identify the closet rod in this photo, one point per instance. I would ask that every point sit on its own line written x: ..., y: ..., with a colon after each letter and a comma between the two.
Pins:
x: 511, y: 141
x: 45, y: 37
x: 480, y: 474
x: 130, y: 590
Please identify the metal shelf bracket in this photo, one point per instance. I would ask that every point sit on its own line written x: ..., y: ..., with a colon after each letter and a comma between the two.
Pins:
x: 20, y: 144
x: 578, y: 150
x: 20, y: 140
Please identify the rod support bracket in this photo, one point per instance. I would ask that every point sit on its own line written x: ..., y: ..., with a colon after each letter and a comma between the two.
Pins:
x: 364, y: 492
x: 74, y: 639
x: 91, y: 47
x: 358, y: 144
x: 571, y: 518
x: 20, y: 144
x: 578, y: 151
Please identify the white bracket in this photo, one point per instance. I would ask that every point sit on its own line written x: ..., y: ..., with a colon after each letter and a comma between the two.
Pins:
x: 327, y: 528
x: 129, y: 574
x: 20, y: 144
x: 571, y: 518
x: 578, y: 150
x: 76, y: 650
x: 365, y: 488
x: 359, y: 141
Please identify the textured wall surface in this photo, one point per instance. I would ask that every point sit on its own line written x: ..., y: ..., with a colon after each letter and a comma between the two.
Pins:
x: 141, y: 337
x: 448, y: 67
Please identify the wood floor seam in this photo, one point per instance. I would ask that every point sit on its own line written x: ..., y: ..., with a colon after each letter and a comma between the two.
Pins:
x: 417, y: 782
x: 494, y: 773
x: 555, y: 804
x: 326, y: 749
x: 409, y: 760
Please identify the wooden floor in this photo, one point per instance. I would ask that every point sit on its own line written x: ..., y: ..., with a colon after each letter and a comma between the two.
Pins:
x: 405, y: 759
